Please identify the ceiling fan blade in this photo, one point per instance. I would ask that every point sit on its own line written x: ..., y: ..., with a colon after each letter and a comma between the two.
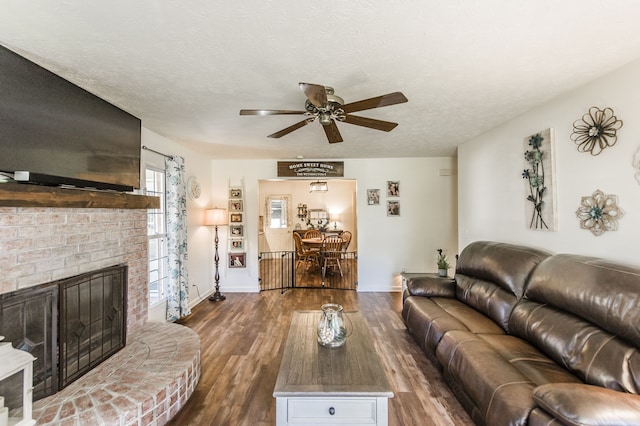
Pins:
x: 332, y: 132
x: 377, y: 102
x: 371, y: 123
x: 290, y: 129
x: 268, y: 112
x: 316, y: 94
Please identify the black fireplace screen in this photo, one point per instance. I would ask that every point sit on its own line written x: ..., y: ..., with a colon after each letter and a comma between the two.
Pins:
x: 92, y: 320
x: 70, y: 326
x: 28, y: 319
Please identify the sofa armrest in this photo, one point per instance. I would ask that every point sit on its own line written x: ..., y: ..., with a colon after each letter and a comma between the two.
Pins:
x: 432, y: 287
x: 586, y: 405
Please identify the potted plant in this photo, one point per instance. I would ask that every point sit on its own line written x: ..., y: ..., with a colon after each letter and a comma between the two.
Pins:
x: 443, y: 264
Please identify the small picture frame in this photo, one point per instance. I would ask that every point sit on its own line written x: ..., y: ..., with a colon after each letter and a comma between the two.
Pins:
x: 373, y: 197
x: 235, y: 217
x: 235, y: 193
x: 236, y: 230
x: 237, y: 260
x: 393, y: 188
x: 236, y: 244
x: 393, y: 208
x: 235, y: 206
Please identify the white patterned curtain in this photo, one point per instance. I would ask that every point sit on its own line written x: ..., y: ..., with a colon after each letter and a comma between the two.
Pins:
x: 177, y: 290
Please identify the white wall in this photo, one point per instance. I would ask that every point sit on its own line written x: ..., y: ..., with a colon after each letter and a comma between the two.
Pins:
x: 386, y: 245
x: 200, y: 238
x: 491, y: 190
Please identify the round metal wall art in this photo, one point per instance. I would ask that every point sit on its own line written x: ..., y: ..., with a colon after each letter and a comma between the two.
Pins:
x: 596, y: 130
x: 599, y: 213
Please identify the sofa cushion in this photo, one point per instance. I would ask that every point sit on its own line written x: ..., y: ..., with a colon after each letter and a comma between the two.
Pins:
x: 498, y: 373
x: 428, y: 319
x: 491, y: 276
x: 583, y: 313
x: 584, y: 405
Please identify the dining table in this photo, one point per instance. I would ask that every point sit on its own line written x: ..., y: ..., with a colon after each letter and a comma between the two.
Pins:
x: 313, y: 243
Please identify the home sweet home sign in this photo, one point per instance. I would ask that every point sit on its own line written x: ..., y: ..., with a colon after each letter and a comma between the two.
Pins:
x: 310, y: 168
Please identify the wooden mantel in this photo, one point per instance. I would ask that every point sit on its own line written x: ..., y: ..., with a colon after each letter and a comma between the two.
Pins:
x: 25, y: 195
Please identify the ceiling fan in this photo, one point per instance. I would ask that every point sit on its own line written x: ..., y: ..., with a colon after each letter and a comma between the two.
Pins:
x: 324, y: 105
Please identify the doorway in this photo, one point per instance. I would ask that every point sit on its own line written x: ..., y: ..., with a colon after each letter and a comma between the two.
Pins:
x: 282, y: 215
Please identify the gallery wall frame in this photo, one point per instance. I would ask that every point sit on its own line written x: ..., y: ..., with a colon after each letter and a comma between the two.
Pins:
x: 393, y: 208
x: 236, y: 230
x: 237, y: 260
x: 235, y: 192
x: 393, y: 188
x: 373, y: 197
x: 236, y: 206
x: 236, y: 244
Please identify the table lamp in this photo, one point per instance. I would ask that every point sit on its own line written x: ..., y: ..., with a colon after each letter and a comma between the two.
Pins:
x: 216, y: 217
x: 335, y: 217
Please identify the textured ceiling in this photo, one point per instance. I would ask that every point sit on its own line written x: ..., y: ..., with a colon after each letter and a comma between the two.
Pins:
x: 187, y: 67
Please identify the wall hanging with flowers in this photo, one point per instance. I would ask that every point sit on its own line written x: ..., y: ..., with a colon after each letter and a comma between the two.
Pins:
x: 539, y: 176
x: 596, y: 130
x: 599, y: 212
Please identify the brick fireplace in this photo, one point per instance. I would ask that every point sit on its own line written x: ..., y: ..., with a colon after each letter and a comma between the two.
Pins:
x: 49, y: 234
x: 42, y: 244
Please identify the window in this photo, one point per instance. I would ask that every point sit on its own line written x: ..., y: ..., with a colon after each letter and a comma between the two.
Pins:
x: 278, y: 211
x: 156, y: 234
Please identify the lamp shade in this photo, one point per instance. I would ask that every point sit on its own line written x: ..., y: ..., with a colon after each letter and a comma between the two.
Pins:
x: 215, y: 217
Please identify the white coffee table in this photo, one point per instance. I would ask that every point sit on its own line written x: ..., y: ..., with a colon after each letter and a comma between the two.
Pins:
x: 318, y: 385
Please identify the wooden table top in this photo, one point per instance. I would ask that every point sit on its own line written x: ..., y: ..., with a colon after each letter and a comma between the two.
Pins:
x: 309, y: 369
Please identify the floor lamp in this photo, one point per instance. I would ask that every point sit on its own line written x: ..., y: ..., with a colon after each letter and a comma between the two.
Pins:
x: 216, y: 217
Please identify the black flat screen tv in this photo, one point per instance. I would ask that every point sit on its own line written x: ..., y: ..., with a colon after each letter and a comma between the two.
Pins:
x: 53, y: 132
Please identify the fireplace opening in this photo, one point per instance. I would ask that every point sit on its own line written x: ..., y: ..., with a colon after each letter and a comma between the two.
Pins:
x: 70, y: 326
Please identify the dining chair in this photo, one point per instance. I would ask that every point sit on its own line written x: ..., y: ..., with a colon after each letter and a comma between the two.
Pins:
x: 332, y: 252
x: 305, y: 256
x: 346, y: 238
x: 313, y: 233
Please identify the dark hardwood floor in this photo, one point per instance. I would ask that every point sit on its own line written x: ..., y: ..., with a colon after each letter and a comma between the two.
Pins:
x: 243, y: 340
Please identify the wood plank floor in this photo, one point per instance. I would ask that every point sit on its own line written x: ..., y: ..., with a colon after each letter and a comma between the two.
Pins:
x: 243, y: 340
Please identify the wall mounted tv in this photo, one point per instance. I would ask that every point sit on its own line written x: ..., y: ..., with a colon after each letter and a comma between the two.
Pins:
x: 53, y: 132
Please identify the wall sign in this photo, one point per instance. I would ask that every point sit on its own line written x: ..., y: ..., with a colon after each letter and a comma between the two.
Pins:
x: 310, y: 168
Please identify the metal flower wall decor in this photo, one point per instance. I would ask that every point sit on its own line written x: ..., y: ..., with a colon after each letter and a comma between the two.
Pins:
x: 539, y: 189
x: 599, y: 213
x: 596, y: 130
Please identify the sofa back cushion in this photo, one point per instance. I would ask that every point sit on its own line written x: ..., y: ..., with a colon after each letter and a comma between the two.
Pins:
x: 491, y: 276
x: 584, y: 313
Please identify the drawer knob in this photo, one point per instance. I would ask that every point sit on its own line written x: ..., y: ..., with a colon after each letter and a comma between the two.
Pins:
x: 332, y: 411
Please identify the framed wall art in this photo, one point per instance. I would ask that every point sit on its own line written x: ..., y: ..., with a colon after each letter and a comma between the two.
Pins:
x: 373, y: 197
x: 393, y: 208
x: 236, y: 230
x: 235, y: 218
x: 236, y: 244
x: 539, y: 187
x: 235, y: 205
x: 235, y: 193
x: 237, y: 260
x: 393, y: 188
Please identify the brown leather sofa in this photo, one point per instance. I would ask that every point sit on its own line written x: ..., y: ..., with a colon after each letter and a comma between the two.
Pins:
x: 525, y: 337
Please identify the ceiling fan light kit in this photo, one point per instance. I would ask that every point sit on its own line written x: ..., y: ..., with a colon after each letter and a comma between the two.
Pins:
x: 324, y: 105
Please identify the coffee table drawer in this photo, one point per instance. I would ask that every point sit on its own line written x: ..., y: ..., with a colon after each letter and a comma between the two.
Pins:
x: 329, y: 410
